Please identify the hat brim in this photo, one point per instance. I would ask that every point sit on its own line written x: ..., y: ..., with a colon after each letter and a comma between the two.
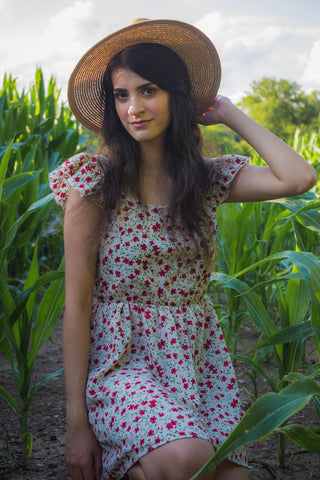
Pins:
x: 193, y: 47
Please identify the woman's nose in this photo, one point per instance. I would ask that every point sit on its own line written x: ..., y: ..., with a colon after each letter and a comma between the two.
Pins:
x: 135, y: 108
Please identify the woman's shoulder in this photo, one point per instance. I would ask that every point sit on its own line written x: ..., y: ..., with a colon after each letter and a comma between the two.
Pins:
x: 83, y: 172
x: 221, y: 171
x: 226, y: 162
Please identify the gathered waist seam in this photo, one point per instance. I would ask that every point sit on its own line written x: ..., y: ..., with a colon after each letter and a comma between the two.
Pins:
x: 151, y: 305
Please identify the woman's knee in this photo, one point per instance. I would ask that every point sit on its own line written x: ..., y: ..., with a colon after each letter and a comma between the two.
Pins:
x: 228, y: 470
x: 178, y: 460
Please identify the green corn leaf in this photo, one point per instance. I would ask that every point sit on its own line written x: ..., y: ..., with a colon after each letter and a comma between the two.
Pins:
x: 5, y: 347
x: 269, y: 468
x: 44, y: 126
x: 316, y: 401
x: 288, y: 335
x: 22, y: 119
x: 256, y: 308
x: 7, y: 130
x: 309, y: 267
x: 267, y: 414
x: 7, y: 452
x: 22, y: 298
x: 297, y: 300
x: 233, y: 217
x: 54, y: 161
x: 33, y: 146
x: 4, y: 165
x: 9, y: 399
x: 308, y: 215
x: 304, y: 238
x: 57, y: 143
x: 302, y: 436
x: 40, y: 203
x: 40, y: 91
x: 31, y: 279
x: 6, y: 300
x: 49, y: 312
x: 28, y: 440
x: 256, y: 368
x: 276, y: 280
x: 315, y: 319
x: 14, y: 228
x: 282, y: 306
x: 307, y: 263
x: 32, y: 228
x: 44, y: 379
x: 11, y: 184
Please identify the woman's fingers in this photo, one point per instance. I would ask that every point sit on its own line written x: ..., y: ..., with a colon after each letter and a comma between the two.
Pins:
x: 97, y: 462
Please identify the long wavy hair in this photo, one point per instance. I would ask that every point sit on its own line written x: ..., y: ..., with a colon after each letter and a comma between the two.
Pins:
x: 184, y: 162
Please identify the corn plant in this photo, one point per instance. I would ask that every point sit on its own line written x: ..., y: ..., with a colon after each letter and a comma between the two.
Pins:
x: 298, y: 295
x: 24, y: 330
x: 254, y: 240
x: 36, y: 133
x: 41, y: 132
x: 262, y: 229
x: 269, y: 278
x: 269, y: 415
x: 308, y: 145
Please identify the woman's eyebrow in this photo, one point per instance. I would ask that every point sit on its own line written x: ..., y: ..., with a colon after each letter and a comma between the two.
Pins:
x: 139, y: 87
x: 145, y: 85
x: 119, y: 90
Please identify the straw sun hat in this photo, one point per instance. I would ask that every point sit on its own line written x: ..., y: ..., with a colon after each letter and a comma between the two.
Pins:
x: 192, y: 46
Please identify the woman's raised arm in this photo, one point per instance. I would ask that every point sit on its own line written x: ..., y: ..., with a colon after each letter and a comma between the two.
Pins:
x: 286, y: 173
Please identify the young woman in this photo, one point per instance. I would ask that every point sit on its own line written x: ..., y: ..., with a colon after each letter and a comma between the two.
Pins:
x: 150, y: 387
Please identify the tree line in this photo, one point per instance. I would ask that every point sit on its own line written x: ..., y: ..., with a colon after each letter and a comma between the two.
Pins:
x: 281, y: 106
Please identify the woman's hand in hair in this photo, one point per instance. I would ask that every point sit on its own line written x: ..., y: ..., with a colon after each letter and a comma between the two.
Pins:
x: 218, y: 112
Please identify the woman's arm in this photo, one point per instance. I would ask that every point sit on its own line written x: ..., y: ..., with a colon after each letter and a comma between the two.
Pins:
x: 287, y: 172
x: 83, y: 458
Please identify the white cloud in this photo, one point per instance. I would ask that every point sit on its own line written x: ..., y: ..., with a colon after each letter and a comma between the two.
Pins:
x: 252, y: 47
x: 244, y: 33
x: 56, y: 48
x: 70, y: 27
x: 311, y: 75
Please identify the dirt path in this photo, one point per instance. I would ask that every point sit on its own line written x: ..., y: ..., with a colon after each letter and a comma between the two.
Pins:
x: 47, y: 425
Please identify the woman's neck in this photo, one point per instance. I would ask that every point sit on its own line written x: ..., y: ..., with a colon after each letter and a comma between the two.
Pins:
x: 155, y: 183
x: 153, y: 158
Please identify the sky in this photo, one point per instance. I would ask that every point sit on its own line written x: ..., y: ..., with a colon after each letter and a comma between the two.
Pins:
x: 254, y: 38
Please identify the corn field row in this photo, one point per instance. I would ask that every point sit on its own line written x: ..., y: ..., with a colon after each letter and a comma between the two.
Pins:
x: 268, y: 276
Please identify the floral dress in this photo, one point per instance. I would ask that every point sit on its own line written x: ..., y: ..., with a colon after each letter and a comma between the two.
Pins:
x: 159, y: 367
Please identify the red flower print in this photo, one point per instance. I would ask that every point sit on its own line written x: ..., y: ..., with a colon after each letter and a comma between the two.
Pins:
x: 171, y: 424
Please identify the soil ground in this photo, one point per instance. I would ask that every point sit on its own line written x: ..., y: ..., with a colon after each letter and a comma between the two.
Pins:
x: 47, y: 425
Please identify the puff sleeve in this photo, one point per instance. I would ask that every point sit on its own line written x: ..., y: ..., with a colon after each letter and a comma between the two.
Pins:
x: 81, y: 172
x: 222, y: 171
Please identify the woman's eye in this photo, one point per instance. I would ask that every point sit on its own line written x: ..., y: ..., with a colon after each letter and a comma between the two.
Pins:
x: 120, y: 95
x: 149, y: 91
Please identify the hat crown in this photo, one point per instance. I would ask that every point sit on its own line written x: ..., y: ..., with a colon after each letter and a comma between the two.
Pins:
x: 138, y: 20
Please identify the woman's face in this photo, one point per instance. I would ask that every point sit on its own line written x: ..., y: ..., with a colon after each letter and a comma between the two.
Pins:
x: 143, y: 108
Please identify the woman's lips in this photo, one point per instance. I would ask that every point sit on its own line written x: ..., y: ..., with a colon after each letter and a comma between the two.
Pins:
x: 140, y: 123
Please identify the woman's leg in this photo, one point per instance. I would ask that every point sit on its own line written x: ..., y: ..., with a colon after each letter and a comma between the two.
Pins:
x: 176, y: 460
x: 227, y: 470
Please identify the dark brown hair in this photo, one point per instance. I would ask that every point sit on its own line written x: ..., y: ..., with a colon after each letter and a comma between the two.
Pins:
x: 184, y: 163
